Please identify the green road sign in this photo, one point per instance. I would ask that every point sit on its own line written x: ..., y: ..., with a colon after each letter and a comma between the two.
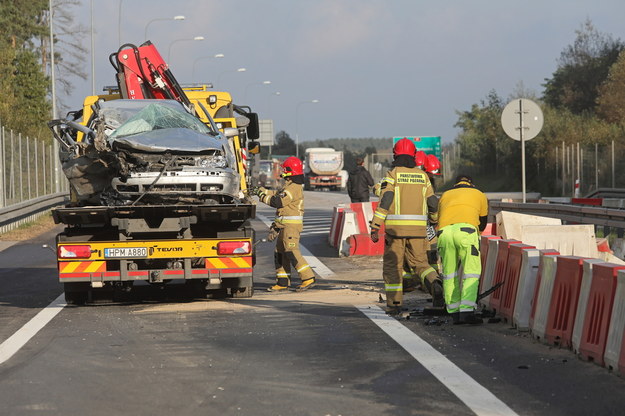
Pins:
x: 431, y: 145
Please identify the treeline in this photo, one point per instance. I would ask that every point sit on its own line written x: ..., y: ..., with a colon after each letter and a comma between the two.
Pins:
x: 25, y: 83
x: 583, y: 103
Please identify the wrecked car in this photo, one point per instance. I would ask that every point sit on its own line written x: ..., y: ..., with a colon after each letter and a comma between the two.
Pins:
x: 147, y: 152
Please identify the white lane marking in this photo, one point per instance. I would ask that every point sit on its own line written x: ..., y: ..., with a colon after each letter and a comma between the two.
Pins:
x: 16, y: 341
x: 481, y: 401
x: 321, y: 269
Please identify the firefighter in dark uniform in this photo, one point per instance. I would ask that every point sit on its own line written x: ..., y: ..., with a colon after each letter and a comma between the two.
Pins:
x: 407, y: 202
x: 287, y: 226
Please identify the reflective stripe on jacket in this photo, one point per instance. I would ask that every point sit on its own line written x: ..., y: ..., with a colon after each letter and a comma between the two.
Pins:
x: 403, y: 203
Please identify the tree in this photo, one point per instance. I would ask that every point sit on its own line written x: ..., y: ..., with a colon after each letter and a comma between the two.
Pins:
x: 611, y: 100
x: 284, y: 144
x: 582, y: 68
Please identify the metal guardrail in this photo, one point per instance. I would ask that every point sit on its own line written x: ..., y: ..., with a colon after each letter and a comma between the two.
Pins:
x: 601, y: 216
x: 13, y: 216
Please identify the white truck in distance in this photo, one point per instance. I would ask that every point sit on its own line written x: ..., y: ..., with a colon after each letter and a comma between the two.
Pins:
x: 322, y: 167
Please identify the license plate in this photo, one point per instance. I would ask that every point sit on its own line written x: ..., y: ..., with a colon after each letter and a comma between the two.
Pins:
x: 125, y: 252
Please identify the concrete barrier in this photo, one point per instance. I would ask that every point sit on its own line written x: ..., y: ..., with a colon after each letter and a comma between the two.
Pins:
x: 542, y: 296
x: 563, y: 304
x: 614, y: 356
x: 348, y: 227
x: 598, y: 312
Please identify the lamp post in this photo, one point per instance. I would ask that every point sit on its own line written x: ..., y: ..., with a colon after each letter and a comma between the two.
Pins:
x: 297, y: 123
x: 145, y: 36
x: 226, y: 72
x: 276, y: 93
x: 249, y: 85
x: 180, y: 40
x: 216, y: 56
x: 55, y: 144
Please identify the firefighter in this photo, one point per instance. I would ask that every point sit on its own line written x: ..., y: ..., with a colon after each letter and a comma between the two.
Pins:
x: 463, y: 214
x: 289, y: 223
x: 406, y: 203
x: 412, y: 279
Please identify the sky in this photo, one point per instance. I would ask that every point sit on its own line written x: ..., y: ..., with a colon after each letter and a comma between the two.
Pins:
x: 378, y: 68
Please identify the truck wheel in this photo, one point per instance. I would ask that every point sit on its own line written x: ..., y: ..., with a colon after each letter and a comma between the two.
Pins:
x: 243, y: 292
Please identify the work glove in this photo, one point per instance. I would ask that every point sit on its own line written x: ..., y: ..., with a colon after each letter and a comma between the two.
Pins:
x: 254, y: 190
x: 273, y: 232
x: 375, y: 236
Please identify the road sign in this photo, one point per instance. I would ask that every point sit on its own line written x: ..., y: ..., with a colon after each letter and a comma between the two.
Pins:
x: 431, y: 145
x: 522, y: 119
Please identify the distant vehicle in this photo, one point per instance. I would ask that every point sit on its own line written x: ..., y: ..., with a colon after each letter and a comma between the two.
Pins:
x: 322, y: 168
x: 269, y: 174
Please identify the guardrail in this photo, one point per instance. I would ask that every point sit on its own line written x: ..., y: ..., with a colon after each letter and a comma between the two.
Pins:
x: 17, y: 214
x: 599, y: 216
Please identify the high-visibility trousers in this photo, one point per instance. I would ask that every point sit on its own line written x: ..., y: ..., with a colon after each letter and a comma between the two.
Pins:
x: 395, y: 252
x: 458, y: 247
x: 287, y: 253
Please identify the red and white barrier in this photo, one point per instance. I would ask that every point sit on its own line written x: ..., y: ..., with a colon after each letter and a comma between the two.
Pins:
x: 599, y: 312
x: 584, y: 293
x: 614, y: 356
x: 484, y: 239
x: 335, y: 227
x: 511, y: 280
x: 488, y: 271
x: 542, y: 296
x: 500, y: 269
x: 526, y: 287
x: 348, y: 227
x: 563, y: 304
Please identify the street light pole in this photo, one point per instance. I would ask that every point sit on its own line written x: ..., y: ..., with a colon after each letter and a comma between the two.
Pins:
x: 297, y: 124
x: 216, y: 56
x: 92, y: 54
x: 119, y: 24
x: 55, y: 144
x: 180, y: 40
x: 145, y: 35
x: 249, y: 85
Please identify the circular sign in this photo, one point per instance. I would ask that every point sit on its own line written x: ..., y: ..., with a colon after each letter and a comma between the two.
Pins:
x: 522, y: 117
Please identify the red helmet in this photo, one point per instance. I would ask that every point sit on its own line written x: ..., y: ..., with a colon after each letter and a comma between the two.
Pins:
x: 432, y: 165
x: 419, y: 158
x: 292, y: 166
x: 404, y: 147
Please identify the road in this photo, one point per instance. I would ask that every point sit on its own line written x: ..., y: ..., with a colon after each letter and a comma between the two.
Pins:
x: 328, y: 351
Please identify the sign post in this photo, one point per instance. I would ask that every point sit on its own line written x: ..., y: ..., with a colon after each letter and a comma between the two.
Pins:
x: 522, y: 120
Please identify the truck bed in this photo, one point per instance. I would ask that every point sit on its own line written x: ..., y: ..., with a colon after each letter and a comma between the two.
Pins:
x: 235, y: 213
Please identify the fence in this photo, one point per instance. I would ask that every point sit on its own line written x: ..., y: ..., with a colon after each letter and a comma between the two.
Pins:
x: 28, y: 175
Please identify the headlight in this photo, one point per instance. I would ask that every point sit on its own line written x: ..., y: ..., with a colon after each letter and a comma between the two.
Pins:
x: 211, y: 162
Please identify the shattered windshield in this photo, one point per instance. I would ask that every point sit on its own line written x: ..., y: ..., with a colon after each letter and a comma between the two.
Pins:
x: 156, y: 116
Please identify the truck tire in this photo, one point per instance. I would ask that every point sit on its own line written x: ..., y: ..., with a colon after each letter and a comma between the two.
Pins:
x: 76, y: 293
x: 243, y: 292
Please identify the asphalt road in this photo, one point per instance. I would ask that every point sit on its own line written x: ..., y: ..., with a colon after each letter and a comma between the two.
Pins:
x: 328, y: 351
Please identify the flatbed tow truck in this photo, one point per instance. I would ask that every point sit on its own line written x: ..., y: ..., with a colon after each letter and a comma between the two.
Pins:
x: 202, y: 237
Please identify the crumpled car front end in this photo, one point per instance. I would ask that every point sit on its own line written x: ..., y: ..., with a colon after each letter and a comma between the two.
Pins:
x: 152, y: 152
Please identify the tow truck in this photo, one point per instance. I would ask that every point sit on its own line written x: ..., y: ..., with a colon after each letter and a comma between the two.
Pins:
x: 155, y: 196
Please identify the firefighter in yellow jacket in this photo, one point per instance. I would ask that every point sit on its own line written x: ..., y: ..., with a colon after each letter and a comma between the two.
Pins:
x: 407, y: 202
x: 287, y: 226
